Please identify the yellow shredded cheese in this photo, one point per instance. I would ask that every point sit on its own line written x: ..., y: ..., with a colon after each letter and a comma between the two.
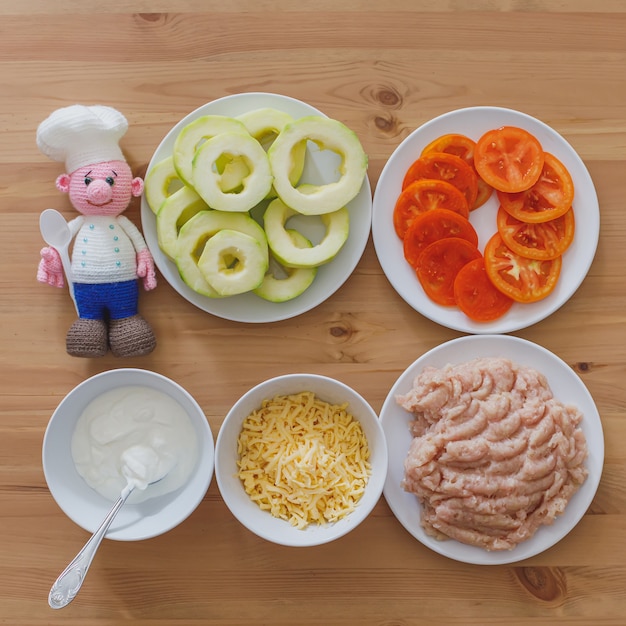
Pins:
x: 303, y: 460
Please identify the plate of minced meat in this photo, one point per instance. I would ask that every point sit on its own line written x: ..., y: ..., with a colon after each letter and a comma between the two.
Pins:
x: 495, y: 449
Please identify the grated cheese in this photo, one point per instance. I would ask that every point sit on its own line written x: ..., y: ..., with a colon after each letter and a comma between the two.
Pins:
x: 303, y: 460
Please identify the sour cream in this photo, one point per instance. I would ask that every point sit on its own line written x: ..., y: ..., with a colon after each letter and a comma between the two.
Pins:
x: 134, y: 435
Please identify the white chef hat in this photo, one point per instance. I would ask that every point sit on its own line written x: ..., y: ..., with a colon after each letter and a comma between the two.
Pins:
x: 82, y: 135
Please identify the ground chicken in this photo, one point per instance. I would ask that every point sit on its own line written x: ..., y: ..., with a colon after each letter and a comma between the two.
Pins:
x: 494, y: 455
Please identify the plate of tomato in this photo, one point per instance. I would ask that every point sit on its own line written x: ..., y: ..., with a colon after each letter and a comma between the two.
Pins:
x: 485, y: 220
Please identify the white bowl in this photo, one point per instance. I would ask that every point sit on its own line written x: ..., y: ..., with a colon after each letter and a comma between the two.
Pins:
x: 263, y: 523
x: 88, y: 508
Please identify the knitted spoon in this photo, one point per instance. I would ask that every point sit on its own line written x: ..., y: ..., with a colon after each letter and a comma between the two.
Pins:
x: 56, y: 233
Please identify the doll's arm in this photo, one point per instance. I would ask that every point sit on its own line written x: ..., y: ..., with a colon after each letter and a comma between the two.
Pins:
x: 145, y: 269
x: 50, y: 269
x: 145, y: 262
x: 75, y: 224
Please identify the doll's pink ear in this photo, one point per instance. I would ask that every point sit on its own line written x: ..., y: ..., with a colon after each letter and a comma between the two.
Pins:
x: 136, y: 187
x: 63, y: 183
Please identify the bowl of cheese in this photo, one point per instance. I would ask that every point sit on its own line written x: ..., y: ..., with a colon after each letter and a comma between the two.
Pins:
x: 301, y: 460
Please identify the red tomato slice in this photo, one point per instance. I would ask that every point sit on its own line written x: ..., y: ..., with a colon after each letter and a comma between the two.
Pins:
x: 425, y: 195
x: 463, y: 147
x: 509, y: 159
x: 550, y: 197
x: 520, y: 278
x: 477, y: 296
x: 438, y: 265
x: 433, y: 225
x: 545, y: 240
x: 484, y: 192
x: 448, y: 167
x: 453, y: 143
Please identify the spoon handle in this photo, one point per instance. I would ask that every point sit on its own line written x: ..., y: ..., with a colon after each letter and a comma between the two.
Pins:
x: 67, y: 585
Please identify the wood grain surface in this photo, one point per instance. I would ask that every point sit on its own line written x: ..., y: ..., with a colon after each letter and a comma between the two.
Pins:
x: 383, y: 68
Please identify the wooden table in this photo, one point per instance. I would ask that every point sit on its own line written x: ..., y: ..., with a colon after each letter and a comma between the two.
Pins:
x: 383, y: 69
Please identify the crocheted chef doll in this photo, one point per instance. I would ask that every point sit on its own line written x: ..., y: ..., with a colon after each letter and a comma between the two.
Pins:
x: 109, y: 253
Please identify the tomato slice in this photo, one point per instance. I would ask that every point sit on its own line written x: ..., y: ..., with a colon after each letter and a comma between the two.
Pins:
x: 438, y: 265
x: 520, y: 278
x: 448, y: 167
x: 550, y: 197
x: 433, y: 225
x: 463, y: 147
x: 509, y: 159
x: 545, y: 240
x: 425, y: 195
x: 477, y: 296
x: 484, y: 192
x: 453, y: 143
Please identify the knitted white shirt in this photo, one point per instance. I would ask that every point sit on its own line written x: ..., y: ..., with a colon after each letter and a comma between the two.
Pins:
x: 105, y: 249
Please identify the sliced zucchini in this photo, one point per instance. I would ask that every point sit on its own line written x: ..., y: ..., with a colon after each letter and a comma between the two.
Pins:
x: 233, y: 262
x: 193, y: 135
x: 174, y: 212
x: 197, y: 231
x: 161, y: 182
x: 281, y: 283
x: 328, y: 134
x: 206, y: 178
x: 265, y: 125
x: 285, y: 249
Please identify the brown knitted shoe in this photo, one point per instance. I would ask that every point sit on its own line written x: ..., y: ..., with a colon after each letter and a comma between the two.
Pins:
x: 87, y: 338
x: 131, y: 336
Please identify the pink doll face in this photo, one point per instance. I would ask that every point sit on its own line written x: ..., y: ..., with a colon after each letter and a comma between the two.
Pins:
x: 101, y: 188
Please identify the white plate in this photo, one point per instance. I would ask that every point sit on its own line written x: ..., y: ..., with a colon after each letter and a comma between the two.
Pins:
x: 474, y: 122
x: 566, y: 386
x: 319, y: 167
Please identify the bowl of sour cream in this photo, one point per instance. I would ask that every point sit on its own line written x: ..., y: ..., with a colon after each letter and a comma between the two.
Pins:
x: 128, y: 425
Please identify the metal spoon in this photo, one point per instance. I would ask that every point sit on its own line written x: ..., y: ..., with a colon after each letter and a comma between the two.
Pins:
x: 69, y: 582
x: 56, y: 233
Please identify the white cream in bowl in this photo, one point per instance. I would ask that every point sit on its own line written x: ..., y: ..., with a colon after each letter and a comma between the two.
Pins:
x: 134, y: 434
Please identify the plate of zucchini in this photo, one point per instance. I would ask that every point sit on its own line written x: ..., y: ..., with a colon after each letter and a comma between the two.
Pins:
x: 257, y: 207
